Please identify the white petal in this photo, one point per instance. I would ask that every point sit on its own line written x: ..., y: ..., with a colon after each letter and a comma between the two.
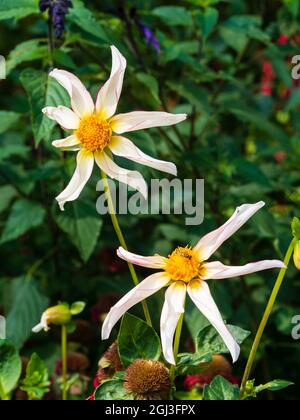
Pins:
x: 120, y: 146
x: 213, y: 240
x: 64, y: 116
x: 172, y: 310
x: 81, y: 100
x: 145, y: 289
x: 83, y: 172
x: 69, y: 143
x: 109, y: 94
x: 132, y: 178
x: 38, y: 328
x: 139, y: 120
x: 200, y: 294
x: 150, y: 262
x: 216, y: 270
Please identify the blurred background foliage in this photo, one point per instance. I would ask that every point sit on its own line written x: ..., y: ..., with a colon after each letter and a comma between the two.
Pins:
x: 228, y: 65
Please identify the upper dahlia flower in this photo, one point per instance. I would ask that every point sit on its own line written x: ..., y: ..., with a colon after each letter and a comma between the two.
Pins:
x: 186, y: 270
x: 97, y: 131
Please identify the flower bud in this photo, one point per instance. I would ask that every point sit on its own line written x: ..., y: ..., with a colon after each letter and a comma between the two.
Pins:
x: 56, y: 315
x: 297, y: 255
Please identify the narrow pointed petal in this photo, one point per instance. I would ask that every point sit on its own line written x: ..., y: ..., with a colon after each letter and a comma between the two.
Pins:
x: 64, y: 116
x: 150, y: 262
x: 213, y: 240
x: 38, y: 328
x: 132, y: 178
x: 145, y: 289
x: 216, y: 270
x: 69, y: 143
x: 83, y: 172
x: 200, y: 294
x: 81, y: 101
x: 120, y: 146
x: 172, y: 310
x: 139, y: 120
x: 109, y: 94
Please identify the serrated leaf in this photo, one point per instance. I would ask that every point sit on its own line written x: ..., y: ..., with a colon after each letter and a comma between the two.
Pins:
x: 112, y: 390
x: 10, y: 368
x: 137, y: 340
x: 26, y: 310
x: 36, y: 382
x: 221, y: 390
x: 24, y: 215
x: 209, y: 339
x: 82, y: 224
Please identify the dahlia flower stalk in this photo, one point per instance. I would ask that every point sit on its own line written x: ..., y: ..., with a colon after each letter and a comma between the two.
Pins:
x: 186, y: 270
x: 97, y: 133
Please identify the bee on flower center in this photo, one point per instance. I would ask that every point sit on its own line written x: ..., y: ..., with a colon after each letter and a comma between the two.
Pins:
x: 183, y: 265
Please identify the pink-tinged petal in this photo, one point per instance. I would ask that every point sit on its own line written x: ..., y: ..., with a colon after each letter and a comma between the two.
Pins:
x: 200, y: 294
x: 150, y: 262
x: 69, y: 143
x: 139, y: 120
x: 213, y: 240
x: 172, y: 310
x: 109, y: 94
x: 83, y: 172
x: 146, y: 288
x: 132, y: 178
x: 216, y: 270
x: 64, y: 116
x: 81, y: 101
x: 120, y: 146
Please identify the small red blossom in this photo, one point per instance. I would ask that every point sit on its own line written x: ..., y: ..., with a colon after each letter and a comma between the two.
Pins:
x: 282, y: 40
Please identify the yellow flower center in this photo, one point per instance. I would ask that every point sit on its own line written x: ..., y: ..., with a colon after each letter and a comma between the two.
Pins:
x: 94, y: 133
x: 184, y: 264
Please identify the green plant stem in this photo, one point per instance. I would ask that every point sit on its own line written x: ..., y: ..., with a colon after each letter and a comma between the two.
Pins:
x: 122, y: 241
x: 176, y: 347
x: 266, y: 317
x: 64, y: 337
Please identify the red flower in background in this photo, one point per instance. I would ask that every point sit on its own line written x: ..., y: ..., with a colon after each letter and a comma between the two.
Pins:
x: 268, y: 76
x: 282, y: 40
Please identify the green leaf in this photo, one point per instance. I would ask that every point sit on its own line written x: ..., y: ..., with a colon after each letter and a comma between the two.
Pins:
x: 190, y: 363
x: 82, y: 224
x: 112, y: 390
x: 207, y: 20
x: 8, y: 119
x: 173, y: 15
x: 18, y: 9
x: 209, y: 339
x: 26, y: 51
x: 86, y: 20
x: 7, y: 194
x: 221, y: 389
x: 77, y: 308
x: 36, y: 382
x: 24, y: 215
x: 42, y: 91
x: 296, y: 228
x: 137, y: 341
x: 151, y: 84
x: 26, y: 310
x: 275, y: 385
x: 10, y: 368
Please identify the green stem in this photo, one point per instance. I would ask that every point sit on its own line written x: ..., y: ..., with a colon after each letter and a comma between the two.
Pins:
x: 122, y: 241
x: 176, y: 347
x: 64, y: 335
x: 265, y: 317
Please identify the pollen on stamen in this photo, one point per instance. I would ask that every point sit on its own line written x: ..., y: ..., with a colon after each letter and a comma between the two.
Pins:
x: 93, y: 133
x: 184, y: 265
